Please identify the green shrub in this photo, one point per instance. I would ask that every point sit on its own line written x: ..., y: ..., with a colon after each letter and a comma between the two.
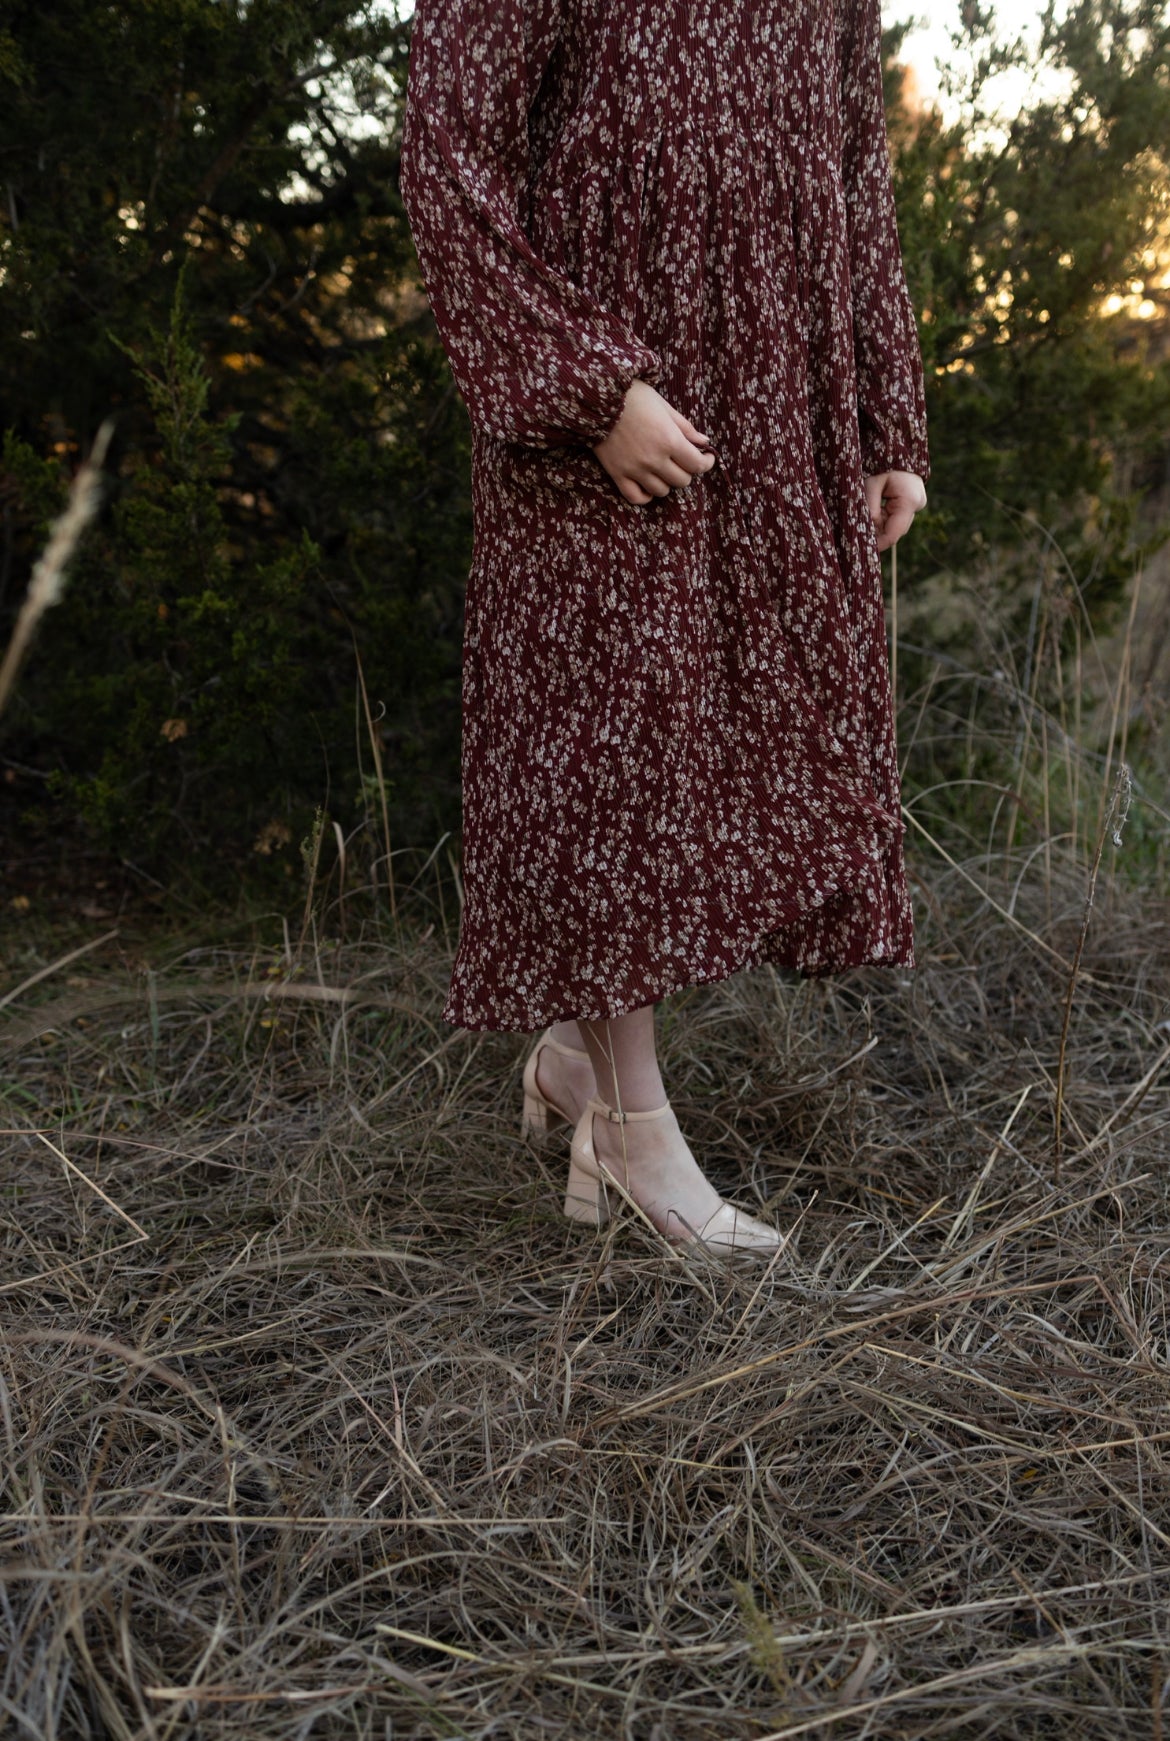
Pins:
x: 200, y: 233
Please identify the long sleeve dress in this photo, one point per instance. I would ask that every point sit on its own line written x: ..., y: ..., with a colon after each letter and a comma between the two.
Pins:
x: 678, y: 744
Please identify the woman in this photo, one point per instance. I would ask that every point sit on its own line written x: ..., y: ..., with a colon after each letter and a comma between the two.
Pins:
x: 660, y: 246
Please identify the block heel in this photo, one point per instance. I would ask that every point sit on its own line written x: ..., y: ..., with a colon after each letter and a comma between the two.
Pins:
x: 585, y: 1196
x: 534, y: 1118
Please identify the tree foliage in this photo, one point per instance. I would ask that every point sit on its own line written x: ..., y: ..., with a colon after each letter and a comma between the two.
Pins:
x: 200, y: 231
x: 1047, y: 399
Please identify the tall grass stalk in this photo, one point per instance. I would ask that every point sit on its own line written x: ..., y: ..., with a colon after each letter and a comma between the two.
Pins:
x: 380, y: 776
x: 1114, y: 822
x: 47, y: 586
x: 894, y: 627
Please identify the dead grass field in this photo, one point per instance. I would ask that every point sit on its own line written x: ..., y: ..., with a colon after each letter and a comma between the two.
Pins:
x: 319, y: 1421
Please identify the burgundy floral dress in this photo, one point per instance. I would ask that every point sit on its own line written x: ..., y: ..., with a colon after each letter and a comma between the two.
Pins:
x: 678, y: 748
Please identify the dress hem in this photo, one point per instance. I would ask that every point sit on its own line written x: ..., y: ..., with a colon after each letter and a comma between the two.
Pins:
x: 850, y: 877
x: 758, y: 957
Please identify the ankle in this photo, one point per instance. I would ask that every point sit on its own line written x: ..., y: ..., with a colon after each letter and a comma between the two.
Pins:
x: 567, y: 1034
x: 616, y: 1117
x: 646, y: 1094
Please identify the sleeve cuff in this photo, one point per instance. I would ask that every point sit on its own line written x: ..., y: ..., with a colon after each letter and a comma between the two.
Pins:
x: 594, y: 401
x: 883, y: 451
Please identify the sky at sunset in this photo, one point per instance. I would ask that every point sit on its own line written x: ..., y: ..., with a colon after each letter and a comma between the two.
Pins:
x: 929, y: 43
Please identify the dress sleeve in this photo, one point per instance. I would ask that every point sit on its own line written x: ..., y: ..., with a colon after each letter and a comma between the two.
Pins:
x: 891, y: 396
x: 537, y: 360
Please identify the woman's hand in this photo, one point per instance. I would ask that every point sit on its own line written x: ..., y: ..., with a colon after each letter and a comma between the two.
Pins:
x: 894, y: 498
x: 652, y: 449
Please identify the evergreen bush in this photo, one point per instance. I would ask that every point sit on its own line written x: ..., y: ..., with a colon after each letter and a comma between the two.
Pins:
x: 200, y: 233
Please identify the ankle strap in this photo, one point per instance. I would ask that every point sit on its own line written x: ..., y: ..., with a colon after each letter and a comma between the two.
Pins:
x: 626, y: 1117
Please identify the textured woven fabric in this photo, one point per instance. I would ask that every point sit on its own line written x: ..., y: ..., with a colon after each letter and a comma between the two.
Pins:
x: 678, y: 751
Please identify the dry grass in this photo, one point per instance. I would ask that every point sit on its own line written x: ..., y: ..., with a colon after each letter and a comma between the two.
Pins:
x: 319, y: 1421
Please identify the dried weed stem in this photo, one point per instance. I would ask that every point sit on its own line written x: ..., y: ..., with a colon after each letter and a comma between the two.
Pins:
x: 47, y: 585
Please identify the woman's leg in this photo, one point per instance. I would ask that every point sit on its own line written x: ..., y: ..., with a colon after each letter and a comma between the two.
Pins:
x: 565, y: 1078
x: 624, y: 1048
x: 625, y: 1060
x: 650, y: 1158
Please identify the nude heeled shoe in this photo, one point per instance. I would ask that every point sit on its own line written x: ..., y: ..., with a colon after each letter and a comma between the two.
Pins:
x: 538, y: 1109
x: 728, y: 1229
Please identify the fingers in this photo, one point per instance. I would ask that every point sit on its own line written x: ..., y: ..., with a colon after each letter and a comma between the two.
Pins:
x: 894, y: 499
x: 633, y: 492
x: 688, y: 428
x: 660, y: 483
x: 898, y: 520
x: 652, y: 449
x: 649, y: 486
x: 874, y: 492
x: 692, y: 459
x: 676, y: 469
